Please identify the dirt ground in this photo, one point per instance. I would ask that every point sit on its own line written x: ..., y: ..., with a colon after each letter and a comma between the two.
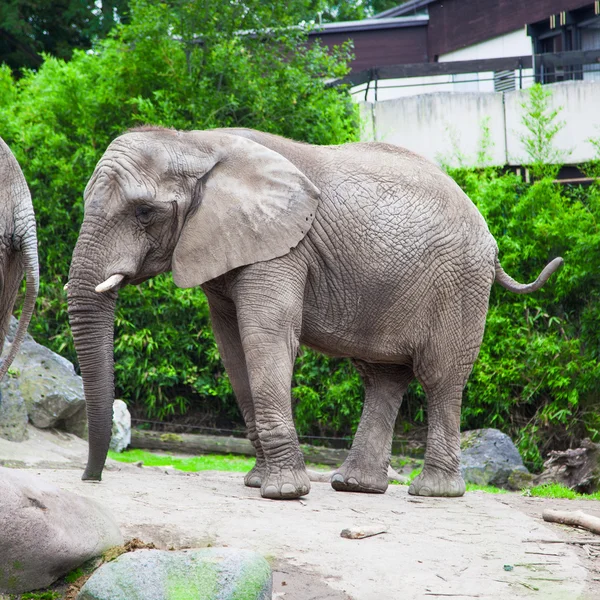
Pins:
x: 479, y: 546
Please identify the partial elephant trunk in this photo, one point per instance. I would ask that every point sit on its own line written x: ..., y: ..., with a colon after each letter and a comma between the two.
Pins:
x: 26, y: 238
x: 92, y: 321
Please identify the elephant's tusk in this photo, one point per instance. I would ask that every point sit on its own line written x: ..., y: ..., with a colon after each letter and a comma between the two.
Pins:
x: 110, y: 283
x: 66, y: 286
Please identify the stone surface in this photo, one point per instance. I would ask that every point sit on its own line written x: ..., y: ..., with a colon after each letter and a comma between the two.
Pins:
x: 13, y: 412
x: 121, y: 427
x: 47, y: 532
x: 77, y: 424
x: 489, y: 457
x: 51, y: 389
x: 206, y: 574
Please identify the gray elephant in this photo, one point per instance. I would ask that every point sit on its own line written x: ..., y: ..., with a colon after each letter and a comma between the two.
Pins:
x: 363, y: 250
x: 18, y: 250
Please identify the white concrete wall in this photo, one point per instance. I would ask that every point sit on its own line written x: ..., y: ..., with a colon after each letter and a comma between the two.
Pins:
x: 515, y: 43
x: 447, y: 127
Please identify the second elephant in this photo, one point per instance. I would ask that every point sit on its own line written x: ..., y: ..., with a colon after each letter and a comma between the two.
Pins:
x: 364, y: 250
x: 18, y: 250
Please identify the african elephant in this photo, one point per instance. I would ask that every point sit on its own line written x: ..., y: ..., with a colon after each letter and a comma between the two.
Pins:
x: 18, y: 251
x: 362, y: 250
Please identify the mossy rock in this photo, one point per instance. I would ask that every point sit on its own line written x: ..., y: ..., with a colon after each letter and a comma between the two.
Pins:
x: 204, y: 574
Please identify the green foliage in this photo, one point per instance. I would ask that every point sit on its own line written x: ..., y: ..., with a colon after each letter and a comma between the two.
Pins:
x: 207, y: 462
x: 74, y: 575
x: 557, y: 490
x: 489, y: 489
x: 43, y: 595
x: 351, y: 10
x: 190, y: 65
x: 31, y: 27
x: 541, y: 124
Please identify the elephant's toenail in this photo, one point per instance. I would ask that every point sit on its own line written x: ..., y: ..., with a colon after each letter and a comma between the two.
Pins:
x: 337, y: 478
x: 288, y: 488
x: 270, y: 492
x: 352, y: 481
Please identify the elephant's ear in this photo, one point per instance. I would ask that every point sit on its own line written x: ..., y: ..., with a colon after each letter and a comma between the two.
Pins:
x: 253, y: 205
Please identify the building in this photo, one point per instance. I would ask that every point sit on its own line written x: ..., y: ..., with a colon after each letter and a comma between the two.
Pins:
x: 492, y: 45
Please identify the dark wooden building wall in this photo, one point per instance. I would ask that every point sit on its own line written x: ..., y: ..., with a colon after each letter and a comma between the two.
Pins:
x: 382, y: 47
x: 454, y: 24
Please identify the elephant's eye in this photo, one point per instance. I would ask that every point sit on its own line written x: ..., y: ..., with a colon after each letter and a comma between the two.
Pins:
x: 144, y: 214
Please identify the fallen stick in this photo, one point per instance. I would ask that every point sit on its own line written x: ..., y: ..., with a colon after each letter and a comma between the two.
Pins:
x: 358, y: 533
x: 575, y: 518
x: 571, y: 542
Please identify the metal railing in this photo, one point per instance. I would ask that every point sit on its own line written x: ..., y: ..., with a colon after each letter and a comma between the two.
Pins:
x: 547, y: 68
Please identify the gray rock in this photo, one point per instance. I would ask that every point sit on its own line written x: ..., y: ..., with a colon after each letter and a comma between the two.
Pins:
x: 121, y: 427
x: 47, y: 532
x: 77, y: 424
x: 489, y: 457
x: 208, y: 573
x: 51, y: 389
x: 13, y: 412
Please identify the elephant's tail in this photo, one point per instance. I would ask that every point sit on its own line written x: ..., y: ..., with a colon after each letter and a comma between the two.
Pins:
x: 506, y: 281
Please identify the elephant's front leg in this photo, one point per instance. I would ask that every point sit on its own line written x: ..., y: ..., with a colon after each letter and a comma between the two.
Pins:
x: 270, y: 332
x: 225, y: 328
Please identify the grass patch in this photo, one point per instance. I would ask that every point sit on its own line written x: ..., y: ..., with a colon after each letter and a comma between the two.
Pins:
x: 206, y: 462
x: 557, y: 490
x: 490, y: 489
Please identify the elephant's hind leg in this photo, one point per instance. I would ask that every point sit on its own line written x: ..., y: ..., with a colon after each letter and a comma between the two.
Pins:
x: 441, y: 474
x: 366, y: 467
x: 443, y: 368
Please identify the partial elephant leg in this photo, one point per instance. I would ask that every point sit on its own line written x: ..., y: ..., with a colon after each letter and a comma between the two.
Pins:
x: 443, y: 369
x: 441, y: 474
x: 269, y: 310
x: 366, y: 467
x: 225, y: 328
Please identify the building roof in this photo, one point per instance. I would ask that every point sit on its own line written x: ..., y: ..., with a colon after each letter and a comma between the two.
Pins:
x: 370, y: 24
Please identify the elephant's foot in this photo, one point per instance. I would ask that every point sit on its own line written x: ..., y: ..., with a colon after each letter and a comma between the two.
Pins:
x: 285, y: 484
x: 257, y: 474
x: 351, y: 477
x: 432, y: 482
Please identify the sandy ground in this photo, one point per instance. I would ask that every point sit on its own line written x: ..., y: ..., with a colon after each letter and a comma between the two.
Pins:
x: 433, y: 547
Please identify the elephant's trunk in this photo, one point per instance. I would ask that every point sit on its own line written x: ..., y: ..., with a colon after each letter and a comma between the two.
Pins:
x: 26, y: 241
x: 91, y: 315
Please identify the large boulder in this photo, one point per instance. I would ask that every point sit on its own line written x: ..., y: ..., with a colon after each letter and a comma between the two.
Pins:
x: 47, y: 532
x: 13, y: 412
x: 489, y: 457
x: 47, y: 382
x: 208, y: 573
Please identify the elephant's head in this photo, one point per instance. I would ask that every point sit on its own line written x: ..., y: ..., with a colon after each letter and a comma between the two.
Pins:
x: 18, y: 250
x: 199, y: 203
